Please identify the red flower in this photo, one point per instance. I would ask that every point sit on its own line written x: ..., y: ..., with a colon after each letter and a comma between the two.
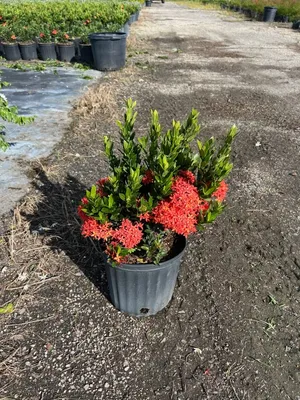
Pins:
x: 188, y: 176
x: 204, y: 205
x: 146, y: 216
x: 13, y: 37
x: 4, y: 24
x: 54, y: 32
x: 221, y: 192
x: 128, y: 234
x: 66, y: 36
x: 42, y: 35
x: 84, y: 200
x: 82, y: 215
x: 100, y: 185
x: 92, y: 228
x: 180, y: 211
x: 148, y: 177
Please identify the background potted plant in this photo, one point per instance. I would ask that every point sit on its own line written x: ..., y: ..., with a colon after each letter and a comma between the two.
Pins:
x: 85, y: 47
x: 46, y: 43
x: 27, y: 45
x: 158, y: 193
x: 9, y: 41
x: 65, y: 47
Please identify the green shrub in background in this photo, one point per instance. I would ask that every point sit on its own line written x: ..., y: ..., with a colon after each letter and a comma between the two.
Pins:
x: 289, y: 8
x: 27, y: 20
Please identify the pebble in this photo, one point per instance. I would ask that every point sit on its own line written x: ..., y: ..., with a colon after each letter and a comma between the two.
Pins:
x: 106, y: 385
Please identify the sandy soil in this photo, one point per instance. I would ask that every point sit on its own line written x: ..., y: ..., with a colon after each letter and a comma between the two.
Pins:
x: 232, y: 329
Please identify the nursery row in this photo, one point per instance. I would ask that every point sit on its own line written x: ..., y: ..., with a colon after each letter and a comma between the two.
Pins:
x: 60, y: 21
x: 286, y: 9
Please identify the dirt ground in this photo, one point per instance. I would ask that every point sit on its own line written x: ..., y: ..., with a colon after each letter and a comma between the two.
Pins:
x: 232, y: 329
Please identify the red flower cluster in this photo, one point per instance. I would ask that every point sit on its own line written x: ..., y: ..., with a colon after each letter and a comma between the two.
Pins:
x: 148, y: 177
x: 92, y: 228
x: 128, y: 234
x: 180, y: 211
x: 188, y: 176
x: 221, y: 192
x: 146, y: 216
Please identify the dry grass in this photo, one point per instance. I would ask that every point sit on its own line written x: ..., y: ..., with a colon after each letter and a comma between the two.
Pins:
x: 97, y: 99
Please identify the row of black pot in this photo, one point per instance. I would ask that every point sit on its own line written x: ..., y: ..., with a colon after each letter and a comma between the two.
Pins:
x: 106, y: 51
x: 44, y: 51
x: 269, y: 14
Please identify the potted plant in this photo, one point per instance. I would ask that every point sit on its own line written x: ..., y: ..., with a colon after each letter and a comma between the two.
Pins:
x: 46, y: 43
x: 109, y: 50
x: 158, y: 193
x: 85, y: 47
x: 65, y: 47
x: 9, y: 41
x: 27, y: 45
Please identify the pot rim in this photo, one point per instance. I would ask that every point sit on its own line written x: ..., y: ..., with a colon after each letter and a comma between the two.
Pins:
x: 107, y: 35
x: 152, y: 267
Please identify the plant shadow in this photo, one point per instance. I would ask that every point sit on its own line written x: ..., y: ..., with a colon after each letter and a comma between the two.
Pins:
x: 55, y: 218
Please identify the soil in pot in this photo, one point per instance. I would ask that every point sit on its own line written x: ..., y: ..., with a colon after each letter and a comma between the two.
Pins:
x: 12, y: 51
x: 145, y: 289
x: 86, y: 54
x: 66, y: 51
x: 28, y: 51
x: 109, y: 50
x: 47, y: 51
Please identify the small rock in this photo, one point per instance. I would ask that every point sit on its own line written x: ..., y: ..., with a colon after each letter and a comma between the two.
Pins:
x: 106, y: 385
x: 86, y: 387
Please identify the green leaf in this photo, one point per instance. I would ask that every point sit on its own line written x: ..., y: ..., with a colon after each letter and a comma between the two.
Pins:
x: 93, y: 192
x: 8, y: 309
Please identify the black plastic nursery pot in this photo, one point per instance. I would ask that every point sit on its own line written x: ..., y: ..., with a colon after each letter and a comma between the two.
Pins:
x: 86, y: 54
x: 77, y: 42
x: 144, y: 289
x: 148, y: 3
x: 66, y: 51
x: 2, y: 54
x: 28, y: 51
x: 109, y: 50
x: 131, y: 19
x: 125, y: 29
x: 269, y: 14
x: 296, y: 25
x: 12, y: 51
x: 47, y: 51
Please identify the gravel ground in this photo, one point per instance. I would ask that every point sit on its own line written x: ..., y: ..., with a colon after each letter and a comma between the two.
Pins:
x: 232, y: 328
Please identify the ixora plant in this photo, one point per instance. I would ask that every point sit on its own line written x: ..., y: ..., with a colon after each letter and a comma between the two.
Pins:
x: 158, y: 193
x: 9, y: 114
